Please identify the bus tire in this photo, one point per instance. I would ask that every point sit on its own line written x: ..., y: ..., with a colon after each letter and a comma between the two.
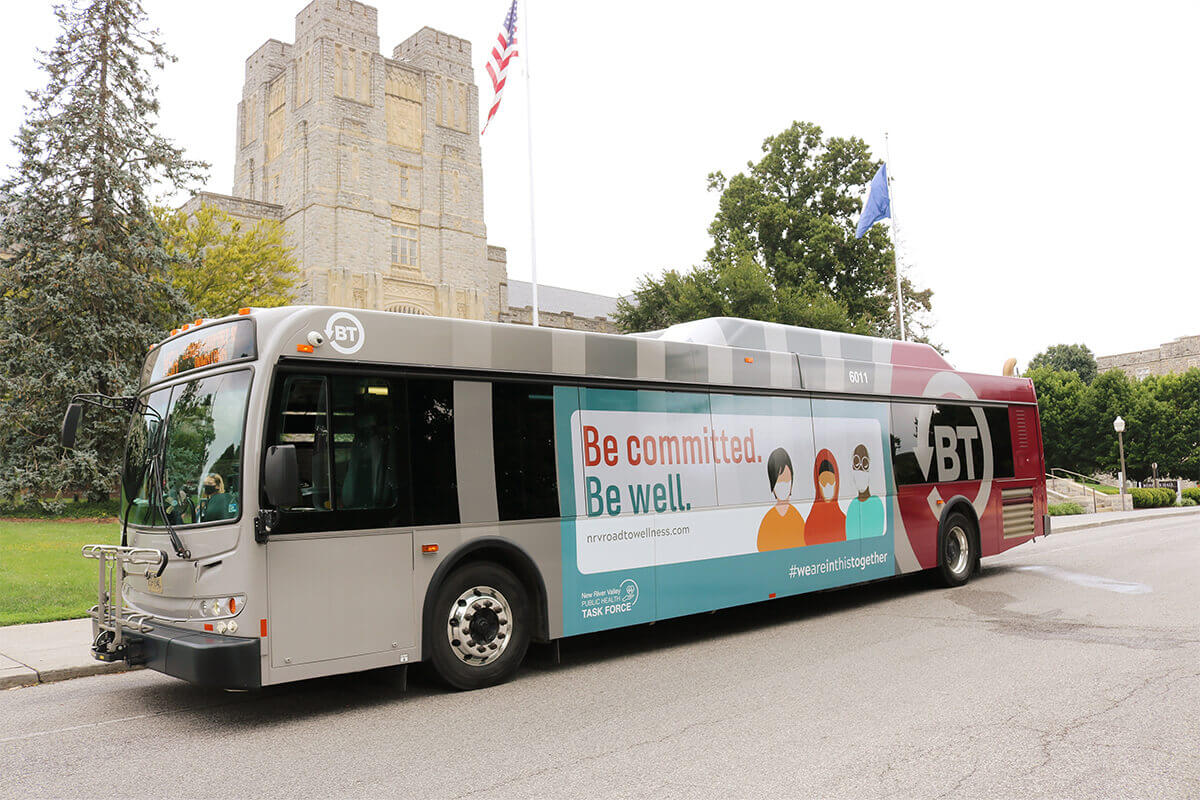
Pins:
x: 957, y: 550
x: 479, y: 626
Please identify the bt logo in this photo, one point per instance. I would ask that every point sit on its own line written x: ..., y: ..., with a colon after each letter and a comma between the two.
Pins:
x: 345, y: 332
x: 946, y: 441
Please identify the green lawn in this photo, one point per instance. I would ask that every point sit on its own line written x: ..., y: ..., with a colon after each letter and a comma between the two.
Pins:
x: 42, y: 575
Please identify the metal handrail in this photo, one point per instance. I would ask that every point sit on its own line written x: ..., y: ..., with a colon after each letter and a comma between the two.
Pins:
x: 1078, y: 475
x: 1092, y: 492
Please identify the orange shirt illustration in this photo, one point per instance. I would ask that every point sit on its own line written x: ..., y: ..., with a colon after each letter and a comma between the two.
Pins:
x: 782, y: 526
x: 826, y: 521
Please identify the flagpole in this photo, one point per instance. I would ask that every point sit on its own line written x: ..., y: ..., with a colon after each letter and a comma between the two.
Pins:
x: 529, y: 142
x: 887, y: 154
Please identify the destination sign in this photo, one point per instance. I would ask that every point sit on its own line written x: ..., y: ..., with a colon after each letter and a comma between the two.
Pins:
x: 207, y: 347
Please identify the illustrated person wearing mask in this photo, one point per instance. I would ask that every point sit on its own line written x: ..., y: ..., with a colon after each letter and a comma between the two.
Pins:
x: 782, y: 527
x: 826, y: 521
x: 865, y: 517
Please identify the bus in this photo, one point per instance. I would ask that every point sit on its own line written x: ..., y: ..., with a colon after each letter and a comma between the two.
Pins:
x: 311, y: 490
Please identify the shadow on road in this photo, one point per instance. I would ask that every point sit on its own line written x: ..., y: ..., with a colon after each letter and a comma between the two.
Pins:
x: 278, y: 705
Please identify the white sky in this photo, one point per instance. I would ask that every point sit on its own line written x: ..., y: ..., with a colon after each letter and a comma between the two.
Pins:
x: 1044, y: 154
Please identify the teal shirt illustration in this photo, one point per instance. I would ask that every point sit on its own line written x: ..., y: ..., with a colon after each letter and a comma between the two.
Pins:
x: 865, y: 518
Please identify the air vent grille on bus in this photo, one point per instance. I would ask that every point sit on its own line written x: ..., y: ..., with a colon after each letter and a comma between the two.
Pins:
x: 1023, y: 426
x: 1018, y: 513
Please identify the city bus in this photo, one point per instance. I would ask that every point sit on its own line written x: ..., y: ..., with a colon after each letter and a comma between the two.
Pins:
x: 310, y: 490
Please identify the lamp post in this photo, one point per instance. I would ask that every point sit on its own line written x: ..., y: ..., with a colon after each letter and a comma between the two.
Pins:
x: 1154, y: 468
x: 1119, y: 427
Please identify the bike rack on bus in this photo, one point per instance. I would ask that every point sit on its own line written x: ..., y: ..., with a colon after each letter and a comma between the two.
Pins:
x: 109, y: 617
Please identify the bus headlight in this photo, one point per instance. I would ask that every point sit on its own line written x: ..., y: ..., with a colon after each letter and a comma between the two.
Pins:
x: 229, y: 606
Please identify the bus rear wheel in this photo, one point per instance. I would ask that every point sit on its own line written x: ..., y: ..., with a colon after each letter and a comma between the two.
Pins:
x: 957, y: 550
x: 479, y: 627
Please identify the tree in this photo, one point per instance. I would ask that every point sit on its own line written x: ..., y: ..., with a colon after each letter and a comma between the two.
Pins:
x: 784, y: 248
x: 1075, y: 358
x: 1062, y: 399
x: 87, y: 287
x: 220, y: 267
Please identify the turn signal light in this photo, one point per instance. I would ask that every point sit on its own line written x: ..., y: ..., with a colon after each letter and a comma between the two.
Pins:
x: 304, y: 348
x: 174, y: 331
x: 749, y: 359
x: 198, y: 322
x: 243, y: 311
x: 429, y: 548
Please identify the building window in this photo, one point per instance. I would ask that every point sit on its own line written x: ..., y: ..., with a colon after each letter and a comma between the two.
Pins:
x: 352, y: 73
x: 304, y: 78
x: 452, y: 104
x: 276, y: 99
x: 404, y: 245
x: 249, y: 121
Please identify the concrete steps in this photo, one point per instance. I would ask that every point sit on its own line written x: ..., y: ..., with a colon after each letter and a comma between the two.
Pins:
x: 1061, y: 490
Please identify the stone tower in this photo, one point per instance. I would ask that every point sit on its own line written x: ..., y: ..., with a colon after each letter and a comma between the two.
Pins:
x: 373, y: 164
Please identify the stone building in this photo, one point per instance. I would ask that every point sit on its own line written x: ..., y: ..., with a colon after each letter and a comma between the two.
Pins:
x: 374, y: 166
x: 1177, y: 356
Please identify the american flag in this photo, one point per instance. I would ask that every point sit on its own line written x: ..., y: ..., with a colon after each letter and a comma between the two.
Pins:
x: 502, y: 52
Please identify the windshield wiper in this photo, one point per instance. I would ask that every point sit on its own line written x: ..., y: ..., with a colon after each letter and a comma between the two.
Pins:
x: 135, y: 406
x: 157, y: 482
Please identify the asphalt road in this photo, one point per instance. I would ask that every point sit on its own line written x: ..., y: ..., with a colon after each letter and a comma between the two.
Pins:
x: 1069, y: 668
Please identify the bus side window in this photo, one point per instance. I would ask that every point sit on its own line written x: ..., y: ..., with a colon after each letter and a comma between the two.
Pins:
x: 954, y: 450
x: 431, y: 446
x: 304, y: 423
x: 364, y: 443
x: 523, y: 447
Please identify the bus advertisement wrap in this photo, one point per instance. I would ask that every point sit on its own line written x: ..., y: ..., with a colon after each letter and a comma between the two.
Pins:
x: 676, y: 503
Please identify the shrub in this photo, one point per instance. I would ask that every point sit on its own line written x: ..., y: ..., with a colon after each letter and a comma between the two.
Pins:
x: 1064, y: 509
x: 1152, y: 498
x: 1192, y: 494
x: 1187, y: 501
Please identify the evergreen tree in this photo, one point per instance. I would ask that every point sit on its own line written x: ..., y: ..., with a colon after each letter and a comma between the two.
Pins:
x: 85, y: 286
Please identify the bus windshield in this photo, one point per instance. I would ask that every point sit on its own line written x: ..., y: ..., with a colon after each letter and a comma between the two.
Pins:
x: 200, y: 473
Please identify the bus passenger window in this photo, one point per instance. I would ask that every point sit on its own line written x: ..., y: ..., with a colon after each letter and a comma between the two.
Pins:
x: 953, y: 447
x: 364, y: 455
x: 304, y: 423
x: 431, y: 447
x: 523, y: 447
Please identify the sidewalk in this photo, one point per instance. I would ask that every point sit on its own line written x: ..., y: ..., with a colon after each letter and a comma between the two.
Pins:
x: 48, y: 651
x: 56, y: 651
x: 1077, y: 521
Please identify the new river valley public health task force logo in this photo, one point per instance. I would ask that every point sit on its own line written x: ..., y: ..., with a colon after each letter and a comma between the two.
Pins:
x: 344, y: 332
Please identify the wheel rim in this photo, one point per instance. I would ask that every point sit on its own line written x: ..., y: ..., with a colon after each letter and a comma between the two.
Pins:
x: 480, y: 626
x: 957, y: 550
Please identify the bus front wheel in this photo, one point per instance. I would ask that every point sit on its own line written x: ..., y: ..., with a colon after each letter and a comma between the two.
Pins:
x: 480, y: 626
x: 957, y: 551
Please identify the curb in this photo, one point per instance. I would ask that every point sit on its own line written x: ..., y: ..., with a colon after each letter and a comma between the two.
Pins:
x: 1100, y: 523
x: 22, y: 676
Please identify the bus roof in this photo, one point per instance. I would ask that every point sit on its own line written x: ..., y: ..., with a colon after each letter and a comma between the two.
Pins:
x: 719, y: 352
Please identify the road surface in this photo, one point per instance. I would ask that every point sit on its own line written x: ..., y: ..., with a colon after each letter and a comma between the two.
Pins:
x: 1069, y: 668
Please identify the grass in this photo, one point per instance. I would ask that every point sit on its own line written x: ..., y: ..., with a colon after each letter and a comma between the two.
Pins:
x: 42, y: 575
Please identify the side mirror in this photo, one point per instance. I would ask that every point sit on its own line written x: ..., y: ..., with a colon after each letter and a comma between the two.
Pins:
x: 281, y: 476
x: 70, y: 425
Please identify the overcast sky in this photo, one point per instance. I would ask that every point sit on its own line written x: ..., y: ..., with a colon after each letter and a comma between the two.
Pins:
x: 1044, y: 155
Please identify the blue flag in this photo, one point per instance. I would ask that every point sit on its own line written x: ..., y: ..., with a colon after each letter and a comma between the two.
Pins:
x: 878, y: 205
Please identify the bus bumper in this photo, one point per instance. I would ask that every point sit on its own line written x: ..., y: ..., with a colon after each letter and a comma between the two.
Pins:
x: 205, y: 659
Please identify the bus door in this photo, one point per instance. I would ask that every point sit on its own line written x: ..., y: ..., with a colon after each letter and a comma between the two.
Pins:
x: 339, y: 563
